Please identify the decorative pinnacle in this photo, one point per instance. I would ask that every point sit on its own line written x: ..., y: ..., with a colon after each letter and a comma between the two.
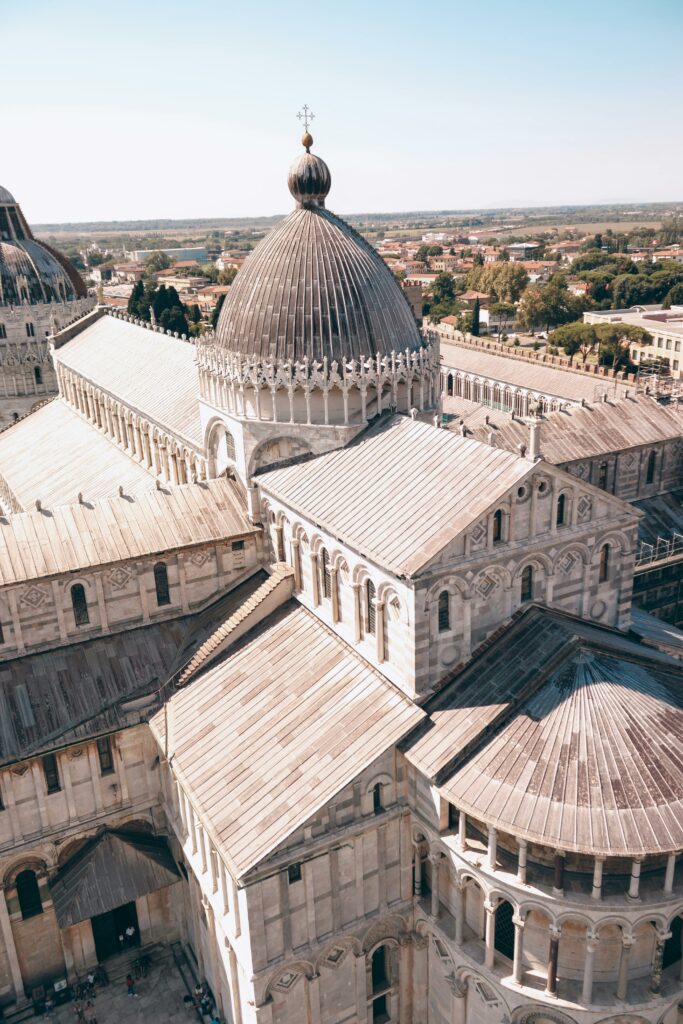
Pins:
x: 306, y: 115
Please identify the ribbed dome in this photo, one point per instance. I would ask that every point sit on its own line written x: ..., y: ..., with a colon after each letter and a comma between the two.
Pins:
x: 314, y: 287
x: 31, y: 271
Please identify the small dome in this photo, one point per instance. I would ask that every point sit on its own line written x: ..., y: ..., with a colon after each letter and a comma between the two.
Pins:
x: 309, y: 179
x: 5, y: 196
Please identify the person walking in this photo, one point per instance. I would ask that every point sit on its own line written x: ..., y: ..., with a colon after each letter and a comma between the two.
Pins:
x: 130, y: 986
x: 89, y: 1013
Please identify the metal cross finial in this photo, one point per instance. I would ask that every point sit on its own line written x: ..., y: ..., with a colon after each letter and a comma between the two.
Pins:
x: 306, y: 115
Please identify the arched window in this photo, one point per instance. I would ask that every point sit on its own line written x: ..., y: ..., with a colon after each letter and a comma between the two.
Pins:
x: 561, y: 510
x: 449, y: 384
x: 602, y: 476
x: 230, y: 446
x: 38, y: 375
x: 504, y: 935
x: 3, y: 331
x: 80, y: 605
x: 370, y: 606
x: 161, y: 584
x: 377, y: 798
x: 444, y: 611
x: 380, y: 969
x: 326, y: 574
x: 28, y: 894
x: 603, y: 573
x: 497, y: 526
x: 651, y: 465
x: 527, y: 593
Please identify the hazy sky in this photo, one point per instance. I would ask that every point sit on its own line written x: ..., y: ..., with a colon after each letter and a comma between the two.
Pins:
x: 144, y: 109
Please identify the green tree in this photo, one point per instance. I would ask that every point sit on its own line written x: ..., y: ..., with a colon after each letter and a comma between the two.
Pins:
x: 573, y: 338
x: 560, y: 306
x: 474, y: 329
x: 671, y: 231
x: 217, y: 311
x: 443, y: 297
x: 531, y: 309
x: 155, y: 262
x: 422, y: 254
x: 435, y: 250
x: 502, y: 311
x: 674, y: 297
x: 194, y: 314
x: 136, y: 302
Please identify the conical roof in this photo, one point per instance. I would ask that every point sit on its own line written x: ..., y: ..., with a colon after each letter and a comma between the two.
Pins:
x: 31, y: 271
x: 314, y: 287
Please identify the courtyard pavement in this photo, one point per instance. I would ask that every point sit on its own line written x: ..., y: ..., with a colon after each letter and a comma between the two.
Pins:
x: 160, y: 998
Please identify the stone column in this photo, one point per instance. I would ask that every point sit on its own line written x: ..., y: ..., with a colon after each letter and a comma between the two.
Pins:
x: 459, y: 914
x: 553, y: 951
x: 518, y: 957
x: 435, y: 861
x: 462, y: 830
x: 418, y: 980
x: 280, y: 543
x: 490, y: 933
x: 313, y: 987
x: 657, y: 962
x: 558, y: 875
x: 492, y: 849
x: 334, y: 584
x: 624, y: 964
x: 379, y: 629
x: 521, y: 861
x: 588, y: 968
x: 296, y: 562
x: 634, y: 884
x: 315, y: 579
x: 459, y: 990
x: 596, y: 893
x: 11, y: 949
x: 356, y: 611
x: 669, y: 876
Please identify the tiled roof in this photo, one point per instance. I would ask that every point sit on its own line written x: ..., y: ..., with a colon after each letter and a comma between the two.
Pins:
x: 527, y: 374
x: 574, y: 742
x: 83, y: 689
x: 577, y: 433
x: 265, y: 737
x: 73, y: 537
x: 55, y: 453
x: 148, y: 371
x: 399, y: 493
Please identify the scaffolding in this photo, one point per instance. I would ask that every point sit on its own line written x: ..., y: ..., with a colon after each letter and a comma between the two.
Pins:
x: 654, y: 378
x: 663, y: 549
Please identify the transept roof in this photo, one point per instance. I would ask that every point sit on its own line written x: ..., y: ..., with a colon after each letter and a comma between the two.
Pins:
x: 574, y: 742
x: 267, y: 735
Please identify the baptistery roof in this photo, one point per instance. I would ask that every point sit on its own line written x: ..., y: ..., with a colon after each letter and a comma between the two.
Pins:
x: 31, y: 271
x: 314, y: 287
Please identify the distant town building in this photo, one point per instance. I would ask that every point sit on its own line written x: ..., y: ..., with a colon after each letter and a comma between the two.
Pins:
x: 665, y: 326
x: 198, y: 253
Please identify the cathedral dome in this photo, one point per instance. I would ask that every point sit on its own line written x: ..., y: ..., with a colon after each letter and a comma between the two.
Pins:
x: 31, y: 271
x: 314, y: 288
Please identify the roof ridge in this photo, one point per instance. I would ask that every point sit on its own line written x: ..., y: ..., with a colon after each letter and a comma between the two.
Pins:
x: 210, y: 646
